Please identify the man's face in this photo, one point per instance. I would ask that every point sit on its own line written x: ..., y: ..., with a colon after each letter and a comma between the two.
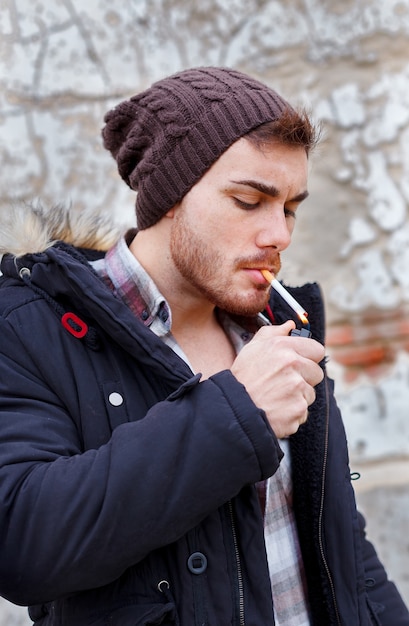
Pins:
x: 235, y: 221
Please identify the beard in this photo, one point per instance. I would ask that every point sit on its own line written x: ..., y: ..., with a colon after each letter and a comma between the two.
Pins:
x: 203, y: 267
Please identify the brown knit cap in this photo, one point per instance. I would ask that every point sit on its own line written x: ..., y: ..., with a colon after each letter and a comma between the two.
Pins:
x: 165, y: 138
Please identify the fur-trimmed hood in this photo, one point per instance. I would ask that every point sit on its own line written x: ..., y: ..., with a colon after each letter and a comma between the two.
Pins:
x: 32, y: 228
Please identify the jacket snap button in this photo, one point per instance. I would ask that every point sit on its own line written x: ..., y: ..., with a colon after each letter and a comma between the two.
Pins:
x: 197, y: 563
x: 115, y: 398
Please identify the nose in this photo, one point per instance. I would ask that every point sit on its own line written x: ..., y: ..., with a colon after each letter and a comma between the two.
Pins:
x: 275, y: 231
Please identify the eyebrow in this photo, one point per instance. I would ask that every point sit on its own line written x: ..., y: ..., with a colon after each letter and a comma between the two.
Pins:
x: 270, y: 190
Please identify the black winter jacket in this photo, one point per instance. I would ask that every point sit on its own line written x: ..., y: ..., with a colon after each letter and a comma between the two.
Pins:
x: 127, y: 486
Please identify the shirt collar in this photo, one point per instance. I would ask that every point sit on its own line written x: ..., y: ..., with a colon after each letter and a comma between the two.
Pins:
x: 135, y: 287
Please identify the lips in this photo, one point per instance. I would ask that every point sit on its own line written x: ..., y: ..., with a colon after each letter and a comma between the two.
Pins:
x: 268, y: 276
x: 256, y: 275
x: 255, y: 266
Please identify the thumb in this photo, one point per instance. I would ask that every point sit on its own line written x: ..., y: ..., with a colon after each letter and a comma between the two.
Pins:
x: 286, y: 328
x: 277, y: 330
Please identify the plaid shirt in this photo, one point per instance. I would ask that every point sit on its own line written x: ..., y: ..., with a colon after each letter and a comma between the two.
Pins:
x: 130, y: 282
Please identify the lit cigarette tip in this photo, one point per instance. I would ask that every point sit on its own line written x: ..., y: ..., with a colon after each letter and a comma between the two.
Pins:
x: 303, y: 315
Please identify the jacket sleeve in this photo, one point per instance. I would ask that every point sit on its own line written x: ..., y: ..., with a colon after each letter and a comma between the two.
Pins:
x: 73, y: 519
x: 385, y: 602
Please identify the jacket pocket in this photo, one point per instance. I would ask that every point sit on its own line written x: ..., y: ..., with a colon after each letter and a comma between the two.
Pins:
x: 141, y: 615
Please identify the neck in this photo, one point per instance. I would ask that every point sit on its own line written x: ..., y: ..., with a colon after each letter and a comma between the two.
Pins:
x: 189, y: 308
x: 194, y: 323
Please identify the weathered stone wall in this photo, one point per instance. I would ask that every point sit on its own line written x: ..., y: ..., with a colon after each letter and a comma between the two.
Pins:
x: 65, y: 63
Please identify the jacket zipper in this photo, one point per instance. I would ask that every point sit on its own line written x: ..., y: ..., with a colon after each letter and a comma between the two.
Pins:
x: 240, y: 587
x: 321, y: 513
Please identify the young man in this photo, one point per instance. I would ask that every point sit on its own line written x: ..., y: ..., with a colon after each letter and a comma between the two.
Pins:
x: 156, y: 461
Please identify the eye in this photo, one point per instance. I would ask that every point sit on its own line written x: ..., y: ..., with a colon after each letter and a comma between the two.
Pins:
x: 289, y: 213
x: 246, y: 205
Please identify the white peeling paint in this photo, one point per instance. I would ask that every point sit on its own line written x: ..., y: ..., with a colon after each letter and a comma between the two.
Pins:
x: 360, y: 233
x: 385, y: 203
x: 398, y: 251
x: 348, y: 106
x: 375, y: 285
x: 375, y: 414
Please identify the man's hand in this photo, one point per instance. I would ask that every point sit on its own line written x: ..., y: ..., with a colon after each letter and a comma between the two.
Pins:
x: 279, y: 373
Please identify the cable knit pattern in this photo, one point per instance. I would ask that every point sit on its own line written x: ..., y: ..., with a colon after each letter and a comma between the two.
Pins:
x: 165, y: 138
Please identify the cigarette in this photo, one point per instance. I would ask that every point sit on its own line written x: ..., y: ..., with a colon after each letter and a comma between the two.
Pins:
x: 292, y: 302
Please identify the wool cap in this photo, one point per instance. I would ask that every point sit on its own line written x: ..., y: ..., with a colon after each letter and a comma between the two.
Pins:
x: 165, y: 138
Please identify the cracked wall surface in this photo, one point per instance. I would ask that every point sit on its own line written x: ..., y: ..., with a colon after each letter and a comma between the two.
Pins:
x: 64, y: 63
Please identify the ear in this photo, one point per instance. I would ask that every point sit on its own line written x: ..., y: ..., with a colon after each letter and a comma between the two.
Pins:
x: 172, y: 211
